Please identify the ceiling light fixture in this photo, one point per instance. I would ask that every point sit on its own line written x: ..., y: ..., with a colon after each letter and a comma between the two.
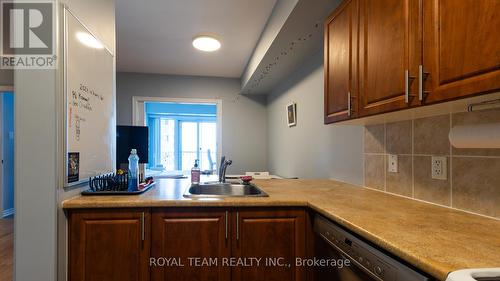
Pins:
x: 89, y: 40
x: 206, y: 43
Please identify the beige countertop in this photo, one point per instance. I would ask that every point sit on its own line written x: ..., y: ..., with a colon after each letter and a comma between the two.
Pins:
x: 435, y: 239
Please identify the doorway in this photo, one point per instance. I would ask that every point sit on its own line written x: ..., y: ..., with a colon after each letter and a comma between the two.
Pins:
x: 181, y: 131
x: 6, y: 185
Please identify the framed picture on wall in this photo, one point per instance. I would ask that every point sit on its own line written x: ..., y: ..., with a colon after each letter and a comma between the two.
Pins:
x: 291, y: 114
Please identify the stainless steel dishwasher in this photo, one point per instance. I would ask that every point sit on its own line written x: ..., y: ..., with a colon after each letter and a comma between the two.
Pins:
x: 367, y: 262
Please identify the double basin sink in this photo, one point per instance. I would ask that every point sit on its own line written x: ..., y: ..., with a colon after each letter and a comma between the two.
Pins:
x: 221, y: 190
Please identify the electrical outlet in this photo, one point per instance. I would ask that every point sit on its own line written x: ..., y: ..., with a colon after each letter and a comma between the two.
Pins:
x: 393, y: 163
x: 439, y: 168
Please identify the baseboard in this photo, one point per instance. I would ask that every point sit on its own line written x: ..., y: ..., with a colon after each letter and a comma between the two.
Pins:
x: 8, y: 212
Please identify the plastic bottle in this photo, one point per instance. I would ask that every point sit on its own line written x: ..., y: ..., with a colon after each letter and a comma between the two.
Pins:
x: 133, y: 171
x: 195, y: 173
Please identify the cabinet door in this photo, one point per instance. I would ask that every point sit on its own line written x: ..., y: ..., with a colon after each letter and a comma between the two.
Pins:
x: 187, y: 233
x: 388, y: 55
x: 340, y: 49
x: 461, y: 48
x: 275, y: 236
x: 111, y: 245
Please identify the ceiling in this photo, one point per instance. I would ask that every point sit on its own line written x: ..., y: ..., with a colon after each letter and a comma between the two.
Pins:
x: 155, y: 36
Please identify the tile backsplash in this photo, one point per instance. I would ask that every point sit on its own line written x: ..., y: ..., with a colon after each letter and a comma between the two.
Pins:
x: 473, y: 175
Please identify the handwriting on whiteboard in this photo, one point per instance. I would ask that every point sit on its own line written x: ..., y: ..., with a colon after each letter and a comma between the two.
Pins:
x: 82, y: 101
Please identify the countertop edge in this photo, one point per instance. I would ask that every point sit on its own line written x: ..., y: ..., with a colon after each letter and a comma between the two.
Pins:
x: 66, y: 205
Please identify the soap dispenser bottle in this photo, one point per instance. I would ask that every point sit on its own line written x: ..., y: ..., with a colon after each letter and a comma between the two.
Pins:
x: 195, y: 173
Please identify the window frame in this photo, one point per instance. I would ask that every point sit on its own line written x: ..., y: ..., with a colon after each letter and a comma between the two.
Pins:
x: 139, y: 112
x: 155, y: 152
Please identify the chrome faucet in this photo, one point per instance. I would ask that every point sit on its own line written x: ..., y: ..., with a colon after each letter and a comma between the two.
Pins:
x: 222, y: 169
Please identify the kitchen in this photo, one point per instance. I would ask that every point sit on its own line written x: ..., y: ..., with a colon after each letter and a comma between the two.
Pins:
x: 376, y: 121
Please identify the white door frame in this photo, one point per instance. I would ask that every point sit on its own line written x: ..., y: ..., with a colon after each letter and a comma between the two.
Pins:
x: 2, y: 186
x: 6, y: 89
x: 138, y: 112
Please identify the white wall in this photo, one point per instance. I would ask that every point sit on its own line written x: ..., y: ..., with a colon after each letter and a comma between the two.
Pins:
x: 35, y: 175
x: 40, y: 224
x: 311, y: 149
x: 99, y: 17
x: 244, y: 130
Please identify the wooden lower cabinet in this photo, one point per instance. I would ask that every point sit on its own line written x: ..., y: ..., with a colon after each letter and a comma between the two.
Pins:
x: 111, y: 245
x: 183, y: 234
x: 275, y: 236
x: 162, y: 244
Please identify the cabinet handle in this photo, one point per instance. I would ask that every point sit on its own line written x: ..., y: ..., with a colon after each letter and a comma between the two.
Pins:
x: 226, y: 223
x: 407, y: 85
x: 237, y: 226
x: 142, y: 227
x: 349, y: 104
x: 421, y: 77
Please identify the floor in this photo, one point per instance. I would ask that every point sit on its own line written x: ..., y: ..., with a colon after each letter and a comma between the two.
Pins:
x: 6, y: 248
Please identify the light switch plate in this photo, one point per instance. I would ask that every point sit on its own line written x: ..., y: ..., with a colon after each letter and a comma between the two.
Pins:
x: 393, y: 163
x: 439, y: 168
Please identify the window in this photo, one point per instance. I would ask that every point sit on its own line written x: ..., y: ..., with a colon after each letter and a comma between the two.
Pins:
x: 208, y: 145
x: 198, y: 142
x: 181, y: 134
x: 167, y: 144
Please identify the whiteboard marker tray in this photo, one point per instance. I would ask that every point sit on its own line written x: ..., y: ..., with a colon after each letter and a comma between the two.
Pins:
x: 118, y: 192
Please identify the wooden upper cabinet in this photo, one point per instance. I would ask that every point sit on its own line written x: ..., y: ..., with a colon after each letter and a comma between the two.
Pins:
x: 276, y: 234
x: 388, y: 52
x: 111, y: 246
x: 340, y: 62
x: 461, y: 48
x: 185, y: 233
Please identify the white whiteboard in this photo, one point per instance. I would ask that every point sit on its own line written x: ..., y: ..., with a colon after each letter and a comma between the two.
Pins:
x: 90, y: 103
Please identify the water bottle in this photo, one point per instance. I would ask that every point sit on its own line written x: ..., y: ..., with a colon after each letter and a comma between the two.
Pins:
x: 133, y: 171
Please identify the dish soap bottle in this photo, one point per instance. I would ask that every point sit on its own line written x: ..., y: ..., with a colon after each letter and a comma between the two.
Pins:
x: 133, y: 171
x: 195, y: 173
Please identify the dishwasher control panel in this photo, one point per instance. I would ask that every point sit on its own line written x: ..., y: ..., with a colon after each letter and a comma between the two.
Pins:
x: 367, y: 258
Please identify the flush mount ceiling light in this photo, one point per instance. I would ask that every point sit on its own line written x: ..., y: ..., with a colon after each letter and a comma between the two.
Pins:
x: 206, y: 43
x: 89, y: 40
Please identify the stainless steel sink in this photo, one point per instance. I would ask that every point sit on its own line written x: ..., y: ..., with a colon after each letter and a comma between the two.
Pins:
x: 223, y: 190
